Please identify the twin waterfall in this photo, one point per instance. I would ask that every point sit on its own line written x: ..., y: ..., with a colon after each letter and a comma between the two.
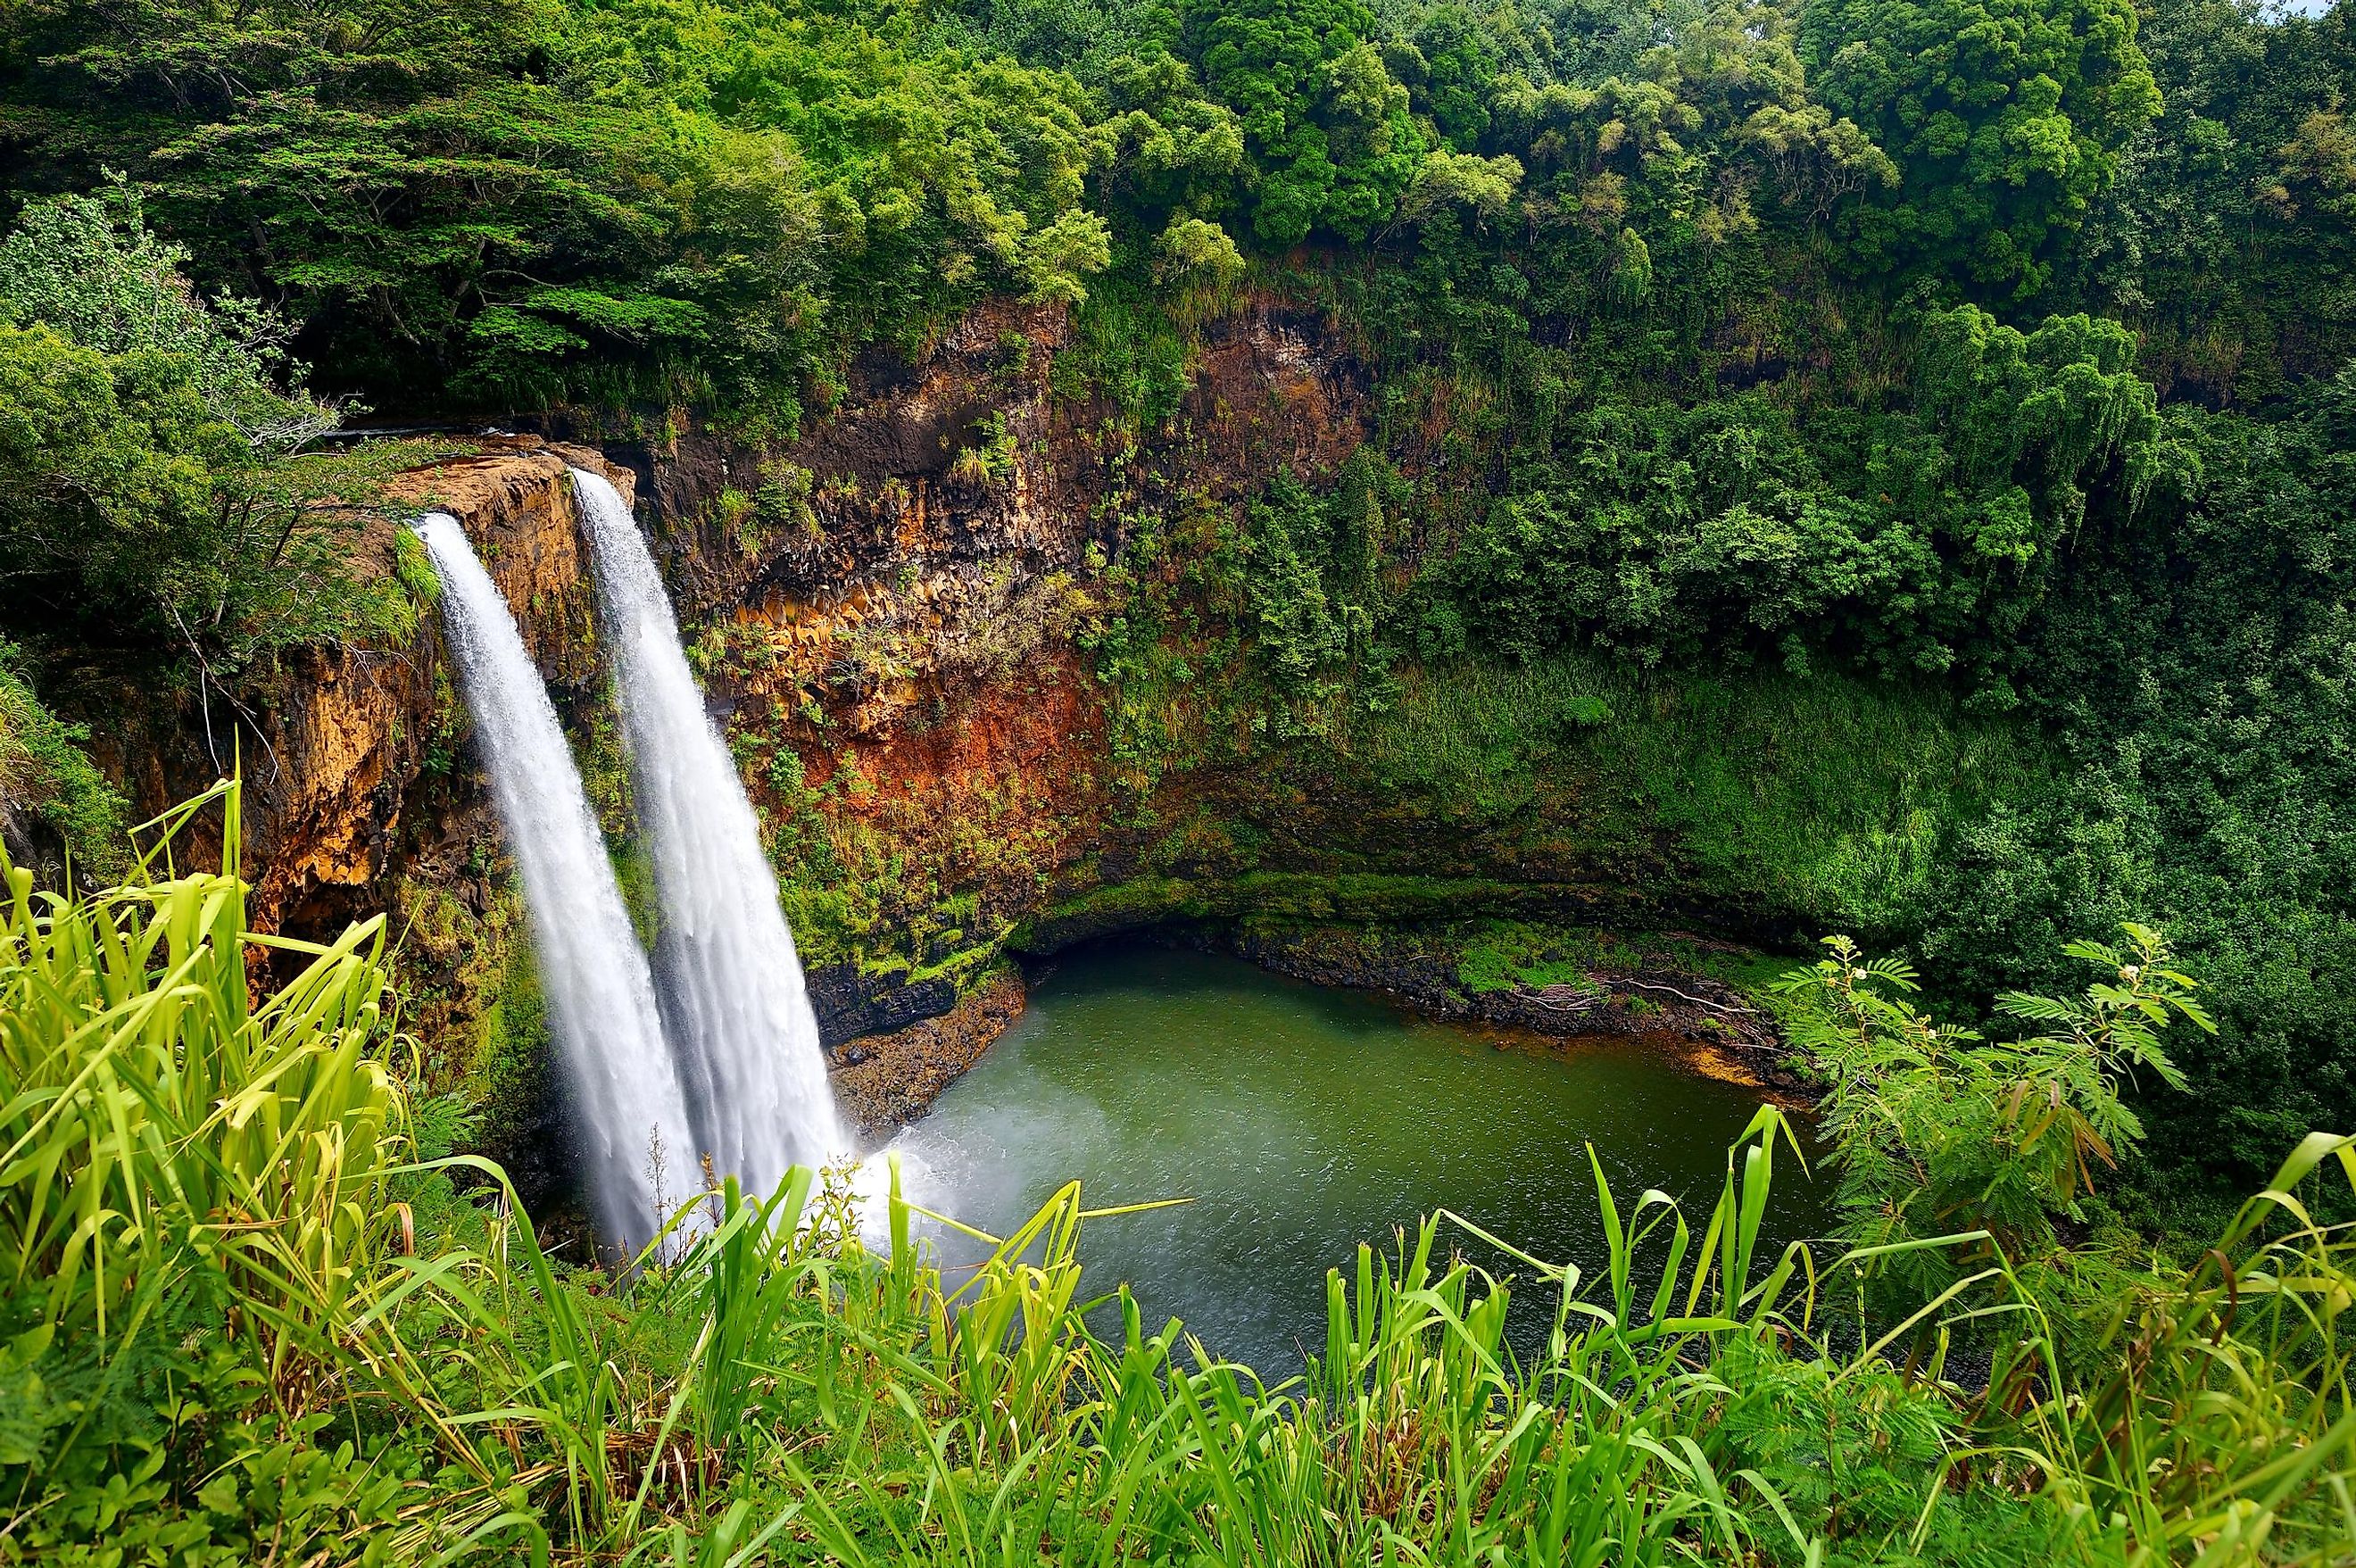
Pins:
x: 601, y: 1002
x: 710, y: 1060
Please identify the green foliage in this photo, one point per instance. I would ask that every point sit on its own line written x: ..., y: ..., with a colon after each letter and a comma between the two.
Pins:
x: 155, y: 480
x: 1919, y: 537
x: 1086, y: 37
x: 524, y: 201
x: 1939, y: 1131
x: 1849, y: 1446
x: 1331, y: 142
x: 2222, y: 242
x: 45, y: 772
x: 1506, y: 954
x: 277, y: 1486
x: 90, y: 268
x: 325, y: 1352
x: 1293, y: 543
x: 1195, y: 250
x: 519, y: 201
x: 935, y: 174
x: 2192, y: 669
x: 1462, y: 183
x: 1128, y: 354
x: 176, y: 1150
x: 2209, y: 1418
x: 515, y: 1064
x: 1803, y: 802
x: 1172, y: 150
x: 1450, y: 61
x: 2006, y: 120
x: 1692, y: 145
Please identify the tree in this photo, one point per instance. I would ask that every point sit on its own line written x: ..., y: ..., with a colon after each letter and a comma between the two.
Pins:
x: 1329, y: 133
x: 519, y: 202
x: 152, y: 483
x: 1694, y: 148
x: 2224, y: 238
x: 1916, y: 537
x: 1196, y: 252
x: 1481, y: 187
x: 46, y: 777
x: 88, y: 266
x: 1174, y: 150
x: 1459, y: 72
x: 2006, y: 119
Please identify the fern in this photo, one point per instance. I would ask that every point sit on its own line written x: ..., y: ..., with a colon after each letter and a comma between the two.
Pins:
x: 1937, y: 1129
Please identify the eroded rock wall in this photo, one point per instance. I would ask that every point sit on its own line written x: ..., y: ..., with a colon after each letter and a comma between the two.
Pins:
x: 898, y: 618
x: 341, y: 797
x: 896, y: 611
x: 360, y: 796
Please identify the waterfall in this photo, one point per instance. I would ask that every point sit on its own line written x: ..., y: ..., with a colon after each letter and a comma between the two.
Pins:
x: 601, y: 1000
x: 730, y: 983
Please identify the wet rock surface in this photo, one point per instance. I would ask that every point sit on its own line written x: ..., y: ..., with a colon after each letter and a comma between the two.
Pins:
x: 851, y: 1006
x: 340, y: 787
x: 883, y: 1081
x: 1654, y: 998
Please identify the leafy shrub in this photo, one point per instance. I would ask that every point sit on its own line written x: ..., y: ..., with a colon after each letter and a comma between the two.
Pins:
x: 1938, y: 1130
x: 89, y: 267
x: 156, y: 479
x: 45, y: 772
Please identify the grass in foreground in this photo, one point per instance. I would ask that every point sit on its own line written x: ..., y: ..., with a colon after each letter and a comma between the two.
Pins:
x: 249, y: 1321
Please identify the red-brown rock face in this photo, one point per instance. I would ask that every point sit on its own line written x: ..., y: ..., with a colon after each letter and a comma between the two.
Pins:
x: 892, y: 613
x: 332, y: 794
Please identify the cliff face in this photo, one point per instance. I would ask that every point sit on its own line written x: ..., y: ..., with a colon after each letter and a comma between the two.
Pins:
x: 359, y: 796
x: 899, y: 610
x: 908, y: 613
x: 901, y: 618
x: 340, y: 799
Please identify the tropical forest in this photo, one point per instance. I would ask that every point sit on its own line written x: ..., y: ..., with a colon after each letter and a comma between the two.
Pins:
x: 1292, y: 783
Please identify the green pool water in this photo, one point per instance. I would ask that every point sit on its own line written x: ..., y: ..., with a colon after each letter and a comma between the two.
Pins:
x: 1300, y: 1121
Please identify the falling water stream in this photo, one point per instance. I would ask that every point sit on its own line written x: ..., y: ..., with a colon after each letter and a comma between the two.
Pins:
x: 729, y: 980
x: 601, y: 1000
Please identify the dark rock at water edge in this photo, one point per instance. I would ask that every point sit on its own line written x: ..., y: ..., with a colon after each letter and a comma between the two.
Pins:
x: 884, y: 1081
x: 1653, y: 996
x: 850, y: 1005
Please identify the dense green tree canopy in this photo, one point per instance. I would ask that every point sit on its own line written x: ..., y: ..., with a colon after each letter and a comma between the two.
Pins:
x: 1331, y: 142
x: 515, y: 202
x: 2007, y: 118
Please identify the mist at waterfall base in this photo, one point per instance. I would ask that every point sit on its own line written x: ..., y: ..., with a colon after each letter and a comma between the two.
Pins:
x: 1302, y: 1120
x: 601, y: 1000
x: 728, y: 979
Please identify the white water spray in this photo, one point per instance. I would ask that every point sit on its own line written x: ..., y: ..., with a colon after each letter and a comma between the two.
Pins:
x: 731, y: 982
x: 600, y: 999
